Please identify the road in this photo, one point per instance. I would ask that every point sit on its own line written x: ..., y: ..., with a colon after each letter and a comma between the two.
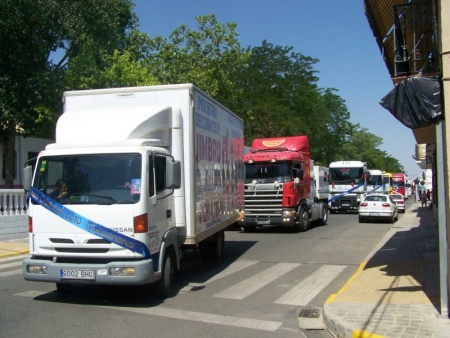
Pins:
x: 264, y: 282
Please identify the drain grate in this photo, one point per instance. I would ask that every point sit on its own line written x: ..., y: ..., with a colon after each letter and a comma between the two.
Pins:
x: 310, y: 312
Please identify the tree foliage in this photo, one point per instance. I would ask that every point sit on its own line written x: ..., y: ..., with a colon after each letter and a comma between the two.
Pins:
x: 207, y: 57
x: 49, y: 46
x: 32, y: 33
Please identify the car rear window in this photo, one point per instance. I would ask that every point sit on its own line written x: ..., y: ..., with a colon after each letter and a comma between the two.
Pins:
x: 376, y: 198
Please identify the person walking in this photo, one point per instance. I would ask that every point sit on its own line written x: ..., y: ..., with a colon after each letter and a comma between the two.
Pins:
x: 423, y: 198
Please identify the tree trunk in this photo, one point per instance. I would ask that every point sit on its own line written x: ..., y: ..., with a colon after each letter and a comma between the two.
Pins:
x: 10, y: 163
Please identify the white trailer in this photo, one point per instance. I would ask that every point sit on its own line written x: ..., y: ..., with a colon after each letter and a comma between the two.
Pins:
x: 319, y: 175
x: 150, y: 171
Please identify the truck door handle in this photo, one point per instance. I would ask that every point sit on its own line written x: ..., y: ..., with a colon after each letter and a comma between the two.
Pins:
x: 168, y: 213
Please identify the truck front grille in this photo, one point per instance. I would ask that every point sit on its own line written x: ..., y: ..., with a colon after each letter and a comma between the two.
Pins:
x: 263, y: 201
x: 82, y: 250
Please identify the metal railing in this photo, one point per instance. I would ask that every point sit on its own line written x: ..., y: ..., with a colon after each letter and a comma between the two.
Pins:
x: 13, y: 202
x: 415, y: 39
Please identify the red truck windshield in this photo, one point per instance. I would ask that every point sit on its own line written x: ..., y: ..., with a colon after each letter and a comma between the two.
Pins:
x: 268, y: 172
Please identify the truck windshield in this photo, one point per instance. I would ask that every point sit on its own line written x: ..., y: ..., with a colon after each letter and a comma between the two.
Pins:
x: 346, y: 175
x: 267, y: 172
x: 375, y: 180
x: 90, y: 179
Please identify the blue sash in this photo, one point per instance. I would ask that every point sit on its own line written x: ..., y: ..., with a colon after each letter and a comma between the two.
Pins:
x: 88, y: 225
x: 345, y: 193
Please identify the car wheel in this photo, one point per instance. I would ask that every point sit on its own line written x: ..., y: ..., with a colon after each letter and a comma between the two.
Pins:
x: 361, y: 220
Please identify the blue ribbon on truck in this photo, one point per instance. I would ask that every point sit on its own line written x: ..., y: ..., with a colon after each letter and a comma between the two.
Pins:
x: 88, y: 225
x: 345, y: 193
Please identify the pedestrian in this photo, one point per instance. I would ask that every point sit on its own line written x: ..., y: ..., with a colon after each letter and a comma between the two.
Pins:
x: 423, y: 198
x: 428, y: 194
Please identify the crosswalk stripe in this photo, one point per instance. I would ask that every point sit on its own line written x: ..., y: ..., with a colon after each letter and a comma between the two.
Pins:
x: 305, y: 291
x: 253, y: 284
x: 14, y: 258
x: 9, y: 265
x: 234, y: 267
x: 10, y: 273
x: 254, y: 324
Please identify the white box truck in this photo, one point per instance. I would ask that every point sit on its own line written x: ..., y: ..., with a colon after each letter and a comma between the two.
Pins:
x: 149, y: 171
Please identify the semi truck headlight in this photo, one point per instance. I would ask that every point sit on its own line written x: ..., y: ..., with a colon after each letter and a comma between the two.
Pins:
x: 37, y: 269
x: 122, y: 271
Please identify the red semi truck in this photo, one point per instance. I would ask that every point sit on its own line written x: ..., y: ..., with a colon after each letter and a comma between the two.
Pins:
x: 279, y: 185
x: 399, y: 182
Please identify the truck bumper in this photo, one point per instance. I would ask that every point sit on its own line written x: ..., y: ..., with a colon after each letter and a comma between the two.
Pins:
x: 344, y: 206
x: 278, y: 221
x: 43, y: 270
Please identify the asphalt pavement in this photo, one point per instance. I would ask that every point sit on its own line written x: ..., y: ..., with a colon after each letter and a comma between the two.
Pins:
x: 394, y: 292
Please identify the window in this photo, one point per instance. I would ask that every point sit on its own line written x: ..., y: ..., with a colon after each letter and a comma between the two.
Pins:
x: 157, y: 177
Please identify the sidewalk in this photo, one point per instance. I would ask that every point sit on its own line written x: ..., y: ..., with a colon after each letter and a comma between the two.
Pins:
x: 13, y: 247
x: 395, y: 291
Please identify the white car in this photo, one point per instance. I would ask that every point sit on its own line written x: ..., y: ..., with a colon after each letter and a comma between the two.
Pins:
x: 378, y: 206
x: 400, y: 201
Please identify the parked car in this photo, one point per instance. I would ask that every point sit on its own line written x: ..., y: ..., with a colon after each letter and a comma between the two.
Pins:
x: 400, y: 201
x: 378, y: 206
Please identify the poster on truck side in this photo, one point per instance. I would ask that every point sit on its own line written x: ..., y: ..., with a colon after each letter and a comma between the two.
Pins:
x: 219, y: 169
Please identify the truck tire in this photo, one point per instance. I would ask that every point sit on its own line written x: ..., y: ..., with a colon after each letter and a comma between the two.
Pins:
x: 303, y: 220
x: 63, y: 287
x: 250, y: 228
x: 164, y: 285
x: 211, y: 249
x: 324, y: 212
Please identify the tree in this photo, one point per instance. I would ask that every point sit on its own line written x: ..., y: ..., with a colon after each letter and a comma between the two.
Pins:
x: 33, y: 32
x: 206, y: 57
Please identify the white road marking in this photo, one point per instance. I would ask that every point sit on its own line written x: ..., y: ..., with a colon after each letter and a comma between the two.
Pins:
x: 234, y: 267
x: 254, y: 324
x: 14, y: 258
x: 9, y: 265
x: 258, y: 281
x: 10, y: 273
x: 30, y: 293
x: 305, y: 291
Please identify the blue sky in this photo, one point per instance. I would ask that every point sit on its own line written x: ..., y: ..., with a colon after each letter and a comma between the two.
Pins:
x: 334, y: 31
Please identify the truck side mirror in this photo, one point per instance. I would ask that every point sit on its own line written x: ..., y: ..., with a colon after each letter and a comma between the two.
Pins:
x: 173, y: 177
x: 298, y: 173
x: 27, y: 176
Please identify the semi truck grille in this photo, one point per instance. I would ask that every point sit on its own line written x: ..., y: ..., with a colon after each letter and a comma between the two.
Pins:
x: 263, y: 200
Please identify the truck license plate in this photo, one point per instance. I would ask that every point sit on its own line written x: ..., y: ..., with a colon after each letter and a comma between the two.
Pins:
x: 263, y: 222
x: 76, y: 274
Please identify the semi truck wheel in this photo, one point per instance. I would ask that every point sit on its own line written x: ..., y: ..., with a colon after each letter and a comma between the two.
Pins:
x: 164, y: 286
x: 303, y: 220
x: 324, y: 212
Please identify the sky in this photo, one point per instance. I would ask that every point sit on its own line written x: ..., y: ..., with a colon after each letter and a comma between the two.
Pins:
x: 336, y: 32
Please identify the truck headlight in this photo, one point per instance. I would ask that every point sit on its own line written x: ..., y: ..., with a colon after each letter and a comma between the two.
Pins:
x: 37, y: 269
x: 122, y: 271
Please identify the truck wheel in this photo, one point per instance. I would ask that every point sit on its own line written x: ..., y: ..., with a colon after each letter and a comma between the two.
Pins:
x: 248, y: 228
x: 212, y: 249
x: 164, y: 286
x: 324, y: 213
x: 303, y: 220
x: 63, y: 287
